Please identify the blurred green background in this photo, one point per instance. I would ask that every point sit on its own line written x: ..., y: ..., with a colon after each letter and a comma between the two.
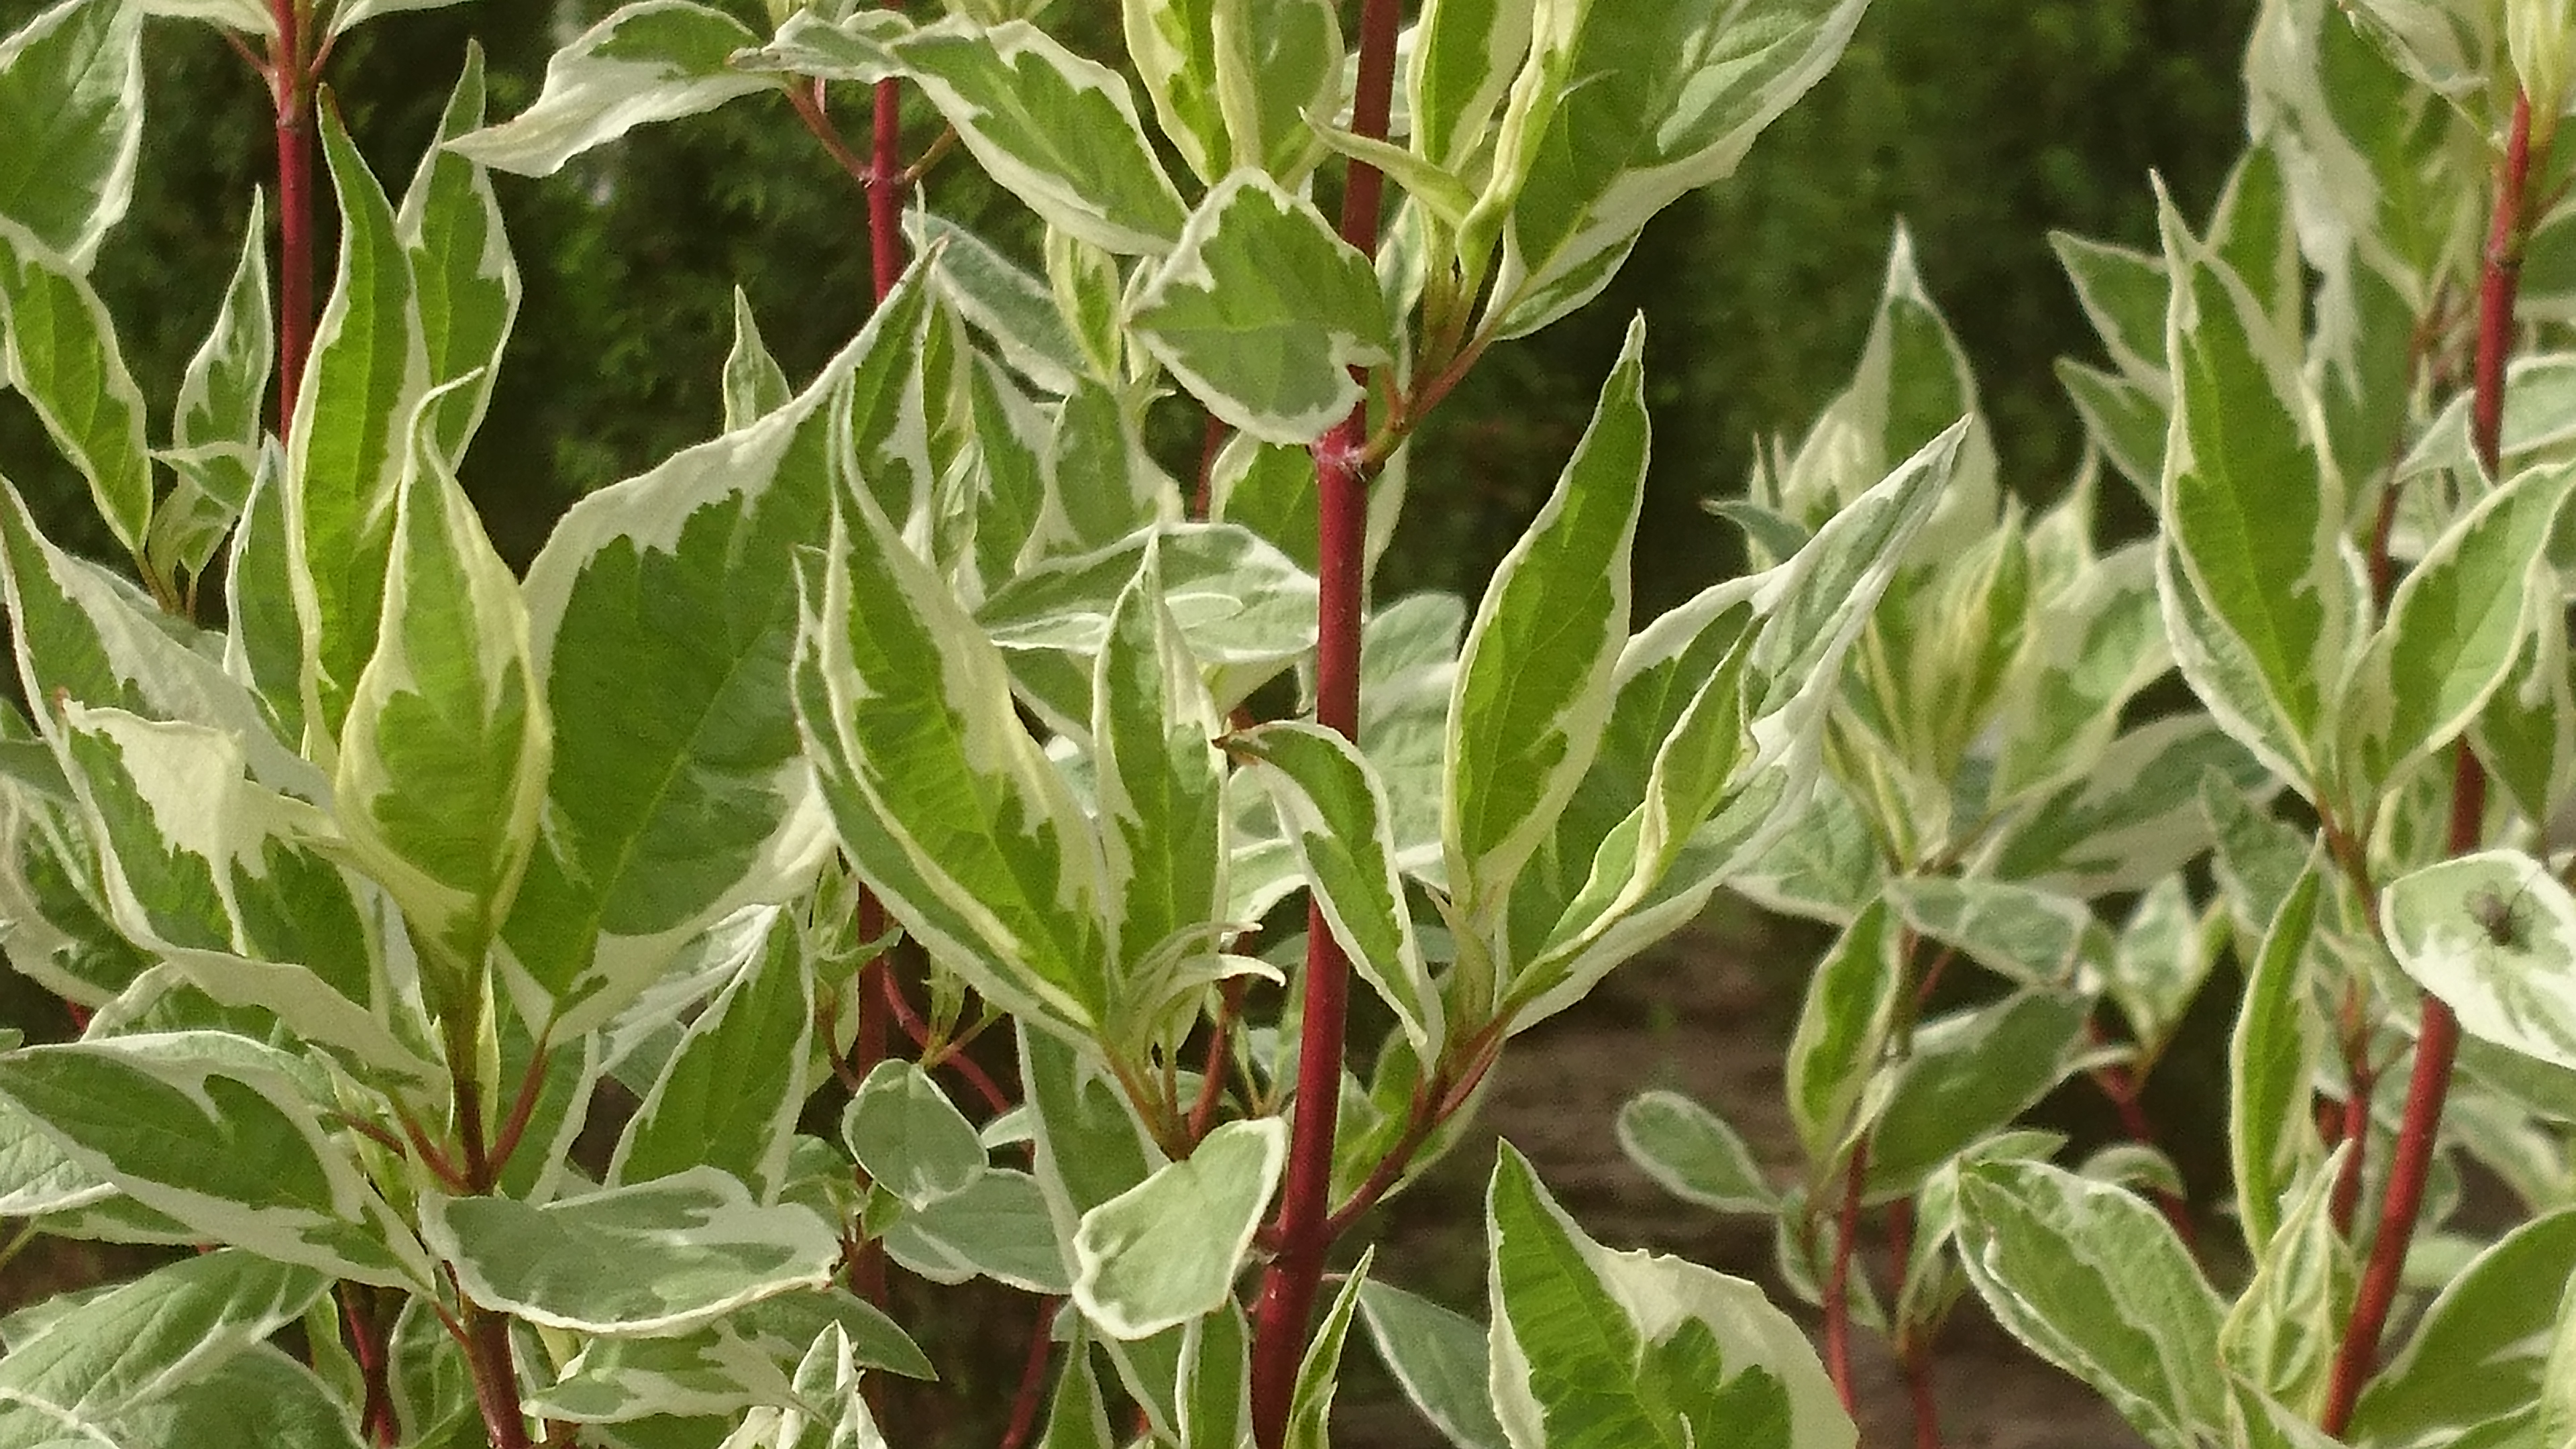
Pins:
x: 1981, y: 124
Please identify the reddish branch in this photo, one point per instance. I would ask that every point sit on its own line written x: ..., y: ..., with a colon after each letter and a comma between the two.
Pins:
x: 1288, y: 1285
x: 1912, y: 1353
x: 1838, y: 1279
x: 2437, y: 1038
x: 290, y: 88
x: 2121, y: 1086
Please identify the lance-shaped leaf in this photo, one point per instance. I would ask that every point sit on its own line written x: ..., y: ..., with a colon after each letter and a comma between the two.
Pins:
x: 466, y: 282
x: 263, y: 639
x: 2093, y: 1279
x: 663, y: 604
x: 1158, y: 793
x: 1334, y: 807
x: 1438, y: 1358
x: 71, y: 104
x: 754, y: 384
x: 739, y: 1361
x: 1167, y: 1250
x: 1056, y: 130
x: 952, y: 813
x: 1244, y: 608
x: 215, y: 1131
x: 1215, y: 1406
x: 218, y: 874
x: 2479, y: 1351
x: 1006, y: 304
x: 2494, y: 936
x: 86, y: 635
x: 2253, y: 514
x: 1595, y: 1347
x: 1693, y: 1154
x: 1842, y: 1029
x: 2125, y: 293
x: 216, y: 427
x: 2272, y: 1062
x: 344, y: 464
x: 443, y: 760
x: 2125, y: 420
x: 650, y: 1259
x: 64, y: 360
x: 1653, y: 102
x: 137, y: 1341
x: 1277, y: 63
x: 1310, y: 1407
x: 1464, y: 55
x: 2032, y: 937
x: 1262, y: 312
x: 654, y: 60
x: 2281, y: 1335
x: 729, y: 1095
x: 2455, y: 627
x: 1967, y: 1076
x: 1534, y: 681
x: 1174, y: 46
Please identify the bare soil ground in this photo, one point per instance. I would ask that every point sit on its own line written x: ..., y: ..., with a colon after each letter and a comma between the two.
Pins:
x: 1698, y: 1015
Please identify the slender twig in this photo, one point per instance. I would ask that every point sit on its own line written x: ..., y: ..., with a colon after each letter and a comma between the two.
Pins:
x: 1912, y: 1353
x: 807, y: 101
x: 946, y: 1055
x: 2362, y: 1079
x: 532, y: 1084
x: 290, y: 85
x: 2437, y: 1037
x: 368, y: 1347
x: 1211, y: 440
x: 1838, y: 1279
x: 885, y: 189
x: 1032, y: 1391
x: 17, y: 1241
x: 1342, y: 472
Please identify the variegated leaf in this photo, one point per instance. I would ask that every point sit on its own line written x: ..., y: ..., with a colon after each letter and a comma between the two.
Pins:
x: 948, y: 808
x: 1465, y: 53
x: 650, y: 1259
x: 63, y: 358
x: 663, y: 603
x: 1534, y: 680
x: 136, y: 1341
x: 651, y: 60
x: 1621, y: 109
x: 1158, y: 788
x: 729, y: 1094
x: 1277, y: 63
x: 71, y: 104
x: 444, y: 757
x: 1262, y: 312
x: 1173, y: 43
x: 217, y: 426
x: 217, y: 1131
x: 208, y: 869
x: 466, y: 282
x: 1167, y: 1250
x: 1056, y: 130
x: 2253, y: 515
x: 2494, y: 936
x: 1335, y: 809
x: 362, y: 386
x: 2455, y: 627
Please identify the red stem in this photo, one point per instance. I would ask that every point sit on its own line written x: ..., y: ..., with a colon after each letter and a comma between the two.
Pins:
x: 290, y: 88
x: 1032, y: 1391
x: 949, y: 1056
x: 2354, y: 1128
x: 496, y: 1380
x: 885, y: 190
x: 2437, y: 1038
x: 367, y: 1345
x: 1914, y: 1355
x: 1838, y: 1280
x: 1288, y: 1286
